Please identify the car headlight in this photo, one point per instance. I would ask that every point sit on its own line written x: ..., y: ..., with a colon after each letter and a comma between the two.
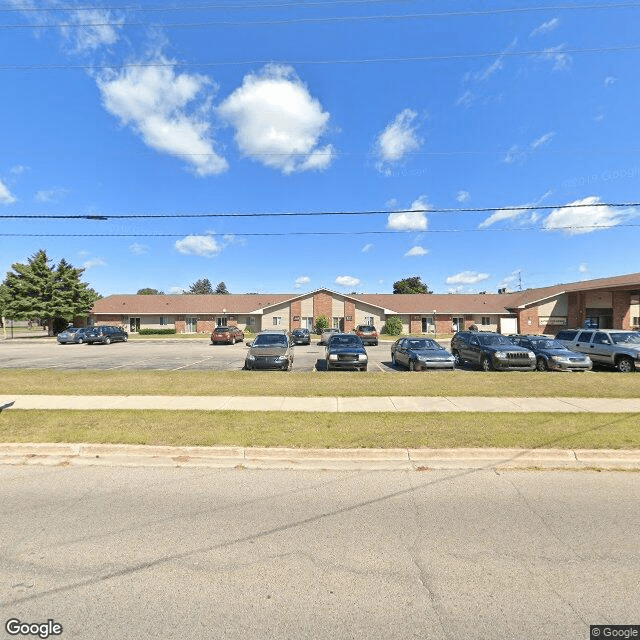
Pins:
x: 362, y: 357
x: 560, y: 358
x: 251, y: 357
x: 532, y: 356
x: 501, y: 354
x: 333, y: 356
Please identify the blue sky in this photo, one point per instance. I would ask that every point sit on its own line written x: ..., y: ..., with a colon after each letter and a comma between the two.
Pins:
x: 401, y: 108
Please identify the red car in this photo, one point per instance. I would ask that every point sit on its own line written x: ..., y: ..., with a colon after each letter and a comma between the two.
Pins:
x: 230, y: 335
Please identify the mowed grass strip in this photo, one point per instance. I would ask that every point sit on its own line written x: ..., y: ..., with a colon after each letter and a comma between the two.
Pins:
x: 344, y: 384
x: 326, y: 430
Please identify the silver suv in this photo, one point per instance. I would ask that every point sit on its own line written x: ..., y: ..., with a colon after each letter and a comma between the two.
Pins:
x: 609, y: 347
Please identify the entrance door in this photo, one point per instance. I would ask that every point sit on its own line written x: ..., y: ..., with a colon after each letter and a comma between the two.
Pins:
x: 458, y: 323
x: 134, y: 325
x: 191, y: 325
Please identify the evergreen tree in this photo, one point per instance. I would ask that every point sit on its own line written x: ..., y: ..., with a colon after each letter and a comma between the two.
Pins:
x: 201, y: 287
x: 411, y: 285
x: 149, y: 292
x: 55, y: 295
x: 221, y: 289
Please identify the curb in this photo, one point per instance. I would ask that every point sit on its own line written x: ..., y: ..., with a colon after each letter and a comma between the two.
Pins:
x: 119, y: 455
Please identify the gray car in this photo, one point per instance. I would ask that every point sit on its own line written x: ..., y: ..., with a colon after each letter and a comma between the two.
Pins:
x: 609, y: 347
x: 421, y: 354
x: 270, y: 350
x: 71, y: 335
x: 552, y: 355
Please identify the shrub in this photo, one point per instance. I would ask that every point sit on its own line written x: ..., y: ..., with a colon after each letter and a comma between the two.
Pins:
x: 156, y: 332
x: 393, y: 326
x: 322, y: 322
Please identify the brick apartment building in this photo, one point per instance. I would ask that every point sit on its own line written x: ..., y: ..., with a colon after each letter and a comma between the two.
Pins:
x: 606, y: 303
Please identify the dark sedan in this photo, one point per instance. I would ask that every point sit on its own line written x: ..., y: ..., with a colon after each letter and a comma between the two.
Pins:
x: 105, y: 335
x: 301, y: 336
x: 72, y: 335
x: 553, y: 355
x: 270, y: 350
x: 346, y: 351
x: 420, y: 354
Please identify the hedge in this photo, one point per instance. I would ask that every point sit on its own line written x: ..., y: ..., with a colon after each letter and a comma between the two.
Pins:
x: 156, y: 332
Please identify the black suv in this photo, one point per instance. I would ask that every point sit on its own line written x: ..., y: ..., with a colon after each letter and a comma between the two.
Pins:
x: 301, y: 336
x: 105, y: 334
x: 491, y: 351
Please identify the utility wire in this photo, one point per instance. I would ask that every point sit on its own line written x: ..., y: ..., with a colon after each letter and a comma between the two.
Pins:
x: 631, y: 48
x: 331, y: 19
x: 308, y: 233
x: 273, y: 214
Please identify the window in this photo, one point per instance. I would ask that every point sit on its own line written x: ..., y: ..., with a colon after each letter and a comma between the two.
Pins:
x: 486, y: 320
x: 368, y: 320
x: 601, y: 338
x: 250, y: 321
x: 336, y: 323
x: 277, y: 321
x: 585, y: 336
x: 164, y: 320
x: 636, y: 321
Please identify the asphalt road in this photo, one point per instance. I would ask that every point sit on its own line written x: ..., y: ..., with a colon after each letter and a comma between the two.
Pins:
x: 134, y: 553
x: 164, y: 355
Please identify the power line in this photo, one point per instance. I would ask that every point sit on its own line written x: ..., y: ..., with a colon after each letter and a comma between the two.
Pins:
x: 311, y: 233
x: 332, y: 19
x: 631, y: 48
x: 273, y: 214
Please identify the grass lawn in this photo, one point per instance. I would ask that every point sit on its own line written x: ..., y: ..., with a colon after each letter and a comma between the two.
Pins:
x: 324, y: 384
x: 302, y: 430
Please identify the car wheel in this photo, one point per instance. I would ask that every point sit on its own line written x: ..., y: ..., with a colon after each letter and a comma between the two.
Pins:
x: 393, y: 359
x: 364, y: 368
x: 107, y: 340
x: 541, y: 365
x: 412, y: 365
x: 233, y: 340
x: 458, y: 360
x: 125, y: 338
x: 80, y: 340
x: 625, y: 365
x: 486, y: 364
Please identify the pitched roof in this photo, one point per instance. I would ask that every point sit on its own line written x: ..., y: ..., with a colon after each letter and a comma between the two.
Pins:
x: 187, y: 304
x: 445, y: 303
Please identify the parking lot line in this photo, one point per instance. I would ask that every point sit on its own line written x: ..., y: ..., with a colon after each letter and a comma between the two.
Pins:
x: 191, y: 364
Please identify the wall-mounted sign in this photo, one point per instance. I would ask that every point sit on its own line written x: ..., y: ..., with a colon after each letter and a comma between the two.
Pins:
x: 348, y: 317
x: 296, y: 318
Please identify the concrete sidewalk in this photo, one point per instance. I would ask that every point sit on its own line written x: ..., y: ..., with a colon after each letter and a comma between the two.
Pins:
x: 392, y: 404
x: 63, y: 455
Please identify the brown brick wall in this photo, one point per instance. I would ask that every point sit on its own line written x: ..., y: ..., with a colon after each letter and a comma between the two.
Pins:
x: 322, y: 306
x: 349, y: 310
x: 621, y: 310
x: 296, y: 312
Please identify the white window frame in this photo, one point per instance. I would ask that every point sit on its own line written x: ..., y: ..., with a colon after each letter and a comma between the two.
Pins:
x: 277, y: 321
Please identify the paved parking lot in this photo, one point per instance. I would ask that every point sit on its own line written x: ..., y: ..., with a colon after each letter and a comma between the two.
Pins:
x: 164, y: 355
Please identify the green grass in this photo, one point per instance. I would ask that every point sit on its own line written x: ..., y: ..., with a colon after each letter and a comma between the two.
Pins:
x: 302, y: 430
x: 332, y: 384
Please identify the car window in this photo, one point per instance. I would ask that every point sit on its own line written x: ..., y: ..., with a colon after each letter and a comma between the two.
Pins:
x: 566, y: 335
x: 345, y: 341
x: 601, y: 338
x: 422, y: 344
x: 628, y: 337
x: 271, y: 340
x: 585, y: 336
x: 493, y: 341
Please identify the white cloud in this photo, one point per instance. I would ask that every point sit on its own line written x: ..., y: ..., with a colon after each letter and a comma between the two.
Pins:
x: 586, y: 216
x: 367, y: 248
x: 205, y: 246
x: 545, y: 27
x: 397, y: 140
x: 154, y: 102
x: 6, y: 197
x: 414, y: 219
x: 138, y: 249
x: 462, y: 196
x: 416, y: 251
x: 98, y: 30
x: 347, y: 281
x: 278, y: 122
x: 610, y: 80
x: 178, y: 289
x: 302, y: 280
x: 51, y: 195
x: 465, y: 99
x: 515, y: 154
x: 583, y: 268
x: 94, y: 262
x: 542, y: 140
x: 561, y: 60
x: 467, y: 277
x: 510, y: 279
x: 18, y: 170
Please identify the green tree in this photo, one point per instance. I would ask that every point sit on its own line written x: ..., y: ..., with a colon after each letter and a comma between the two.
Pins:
x: 149, y: 292
x: 55, y: 294
x: 411, y: 285
x: 322, y: 322
x: 201, y: 287
x: 221, y: 289
x: 393, y: 326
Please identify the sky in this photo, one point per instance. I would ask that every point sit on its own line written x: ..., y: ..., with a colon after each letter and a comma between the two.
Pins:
x: 283, y: 146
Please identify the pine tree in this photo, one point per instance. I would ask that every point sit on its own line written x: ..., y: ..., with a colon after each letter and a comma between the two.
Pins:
x: 201, y: 287
x: 221, y: 289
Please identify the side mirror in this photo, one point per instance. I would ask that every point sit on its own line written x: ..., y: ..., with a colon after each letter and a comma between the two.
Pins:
x: 249, y: 344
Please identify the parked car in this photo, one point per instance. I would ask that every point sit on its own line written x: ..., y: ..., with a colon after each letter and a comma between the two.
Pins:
x: 73, y: 335
x: 105, y: 335
x: 346, y: 351
x: 326, y: 334
x: 491, y: 351
x: 367, y: 334
x: 301, y: 336
x: 609, y: 347
x: 420, y: 354
x: 552, y: 355
x: 230, y: 335
x: 270, y: 350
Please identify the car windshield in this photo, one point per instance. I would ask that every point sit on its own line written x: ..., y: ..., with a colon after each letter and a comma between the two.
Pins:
x: 547, y: 344
x: 423, y: 344
x: 222, y: 329
x: 271, y: 340
x: 72, y: 329
x: 494, y: 341
x: 300, y: 332
x: 345, y: 341
x: 366, y: 329
x: 626, y: 337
